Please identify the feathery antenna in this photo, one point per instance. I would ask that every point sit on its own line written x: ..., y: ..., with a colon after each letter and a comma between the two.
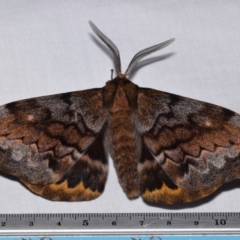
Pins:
x: 141, y: 54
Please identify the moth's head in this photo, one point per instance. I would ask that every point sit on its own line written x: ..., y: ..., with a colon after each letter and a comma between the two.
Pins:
x: 116, y: 53
x: 121, y: 76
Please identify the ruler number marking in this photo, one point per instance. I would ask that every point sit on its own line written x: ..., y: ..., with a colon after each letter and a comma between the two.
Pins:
x: 85, y: 223
x: 220, y: 222
x: 3, y: 224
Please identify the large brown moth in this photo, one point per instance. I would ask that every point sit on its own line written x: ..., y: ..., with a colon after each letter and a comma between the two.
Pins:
x: 165, y: 147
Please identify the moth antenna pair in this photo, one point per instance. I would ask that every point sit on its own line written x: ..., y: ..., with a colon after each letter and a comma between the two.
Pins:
x: 141, y: 54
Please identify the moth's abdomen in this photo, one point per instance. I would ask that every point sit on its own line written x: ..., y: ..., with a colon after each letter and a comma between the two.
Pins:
x: 123, y: 149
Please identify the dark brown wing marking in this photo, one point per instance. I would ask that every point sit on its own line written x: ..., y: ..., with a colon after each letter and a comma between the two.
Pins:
x: 193, y: 147
x: 41, y: 139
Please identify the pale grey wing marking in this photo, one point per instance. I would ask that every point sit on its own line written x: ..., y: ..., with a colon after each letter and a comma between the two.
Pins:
x: 42, y: 138
x: 197, y: 144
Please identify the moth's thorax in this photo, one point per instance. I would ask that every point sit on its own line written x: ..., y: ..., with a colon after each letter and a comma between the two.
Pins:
x: 120, y: 94
x: 120, y: 101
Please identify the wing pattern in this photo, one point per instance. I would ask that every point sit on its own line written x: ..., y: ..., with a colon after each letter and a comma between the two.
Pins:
x: 44, y: 141
x: 192, y: 146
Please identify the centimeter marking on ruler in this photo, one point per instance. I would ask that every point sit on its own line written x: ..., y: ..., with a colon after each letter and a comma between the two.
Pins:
x: 119, y: 224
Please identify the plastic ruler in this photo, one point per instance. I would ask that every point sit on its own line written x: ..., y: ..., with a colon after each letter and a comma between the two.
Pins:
x: 121, y: 226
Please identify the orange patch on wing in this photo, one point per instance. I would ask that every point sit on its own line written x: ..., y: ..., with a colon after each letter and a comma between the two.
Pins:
x: 173, y: 196
x: 61, y: 192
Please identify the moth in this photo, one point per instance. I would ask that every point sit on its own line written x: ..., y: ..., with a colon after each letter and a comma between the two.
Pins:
x: 166, y: 148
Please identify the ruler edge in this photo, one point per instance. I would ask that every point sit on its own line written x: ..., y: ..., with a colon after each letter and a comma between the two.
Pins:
x: 121, y: 231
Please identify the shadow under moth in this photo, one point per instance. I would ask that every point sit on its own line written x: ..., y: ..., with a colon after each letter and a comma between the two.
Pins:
x: 165, y: 147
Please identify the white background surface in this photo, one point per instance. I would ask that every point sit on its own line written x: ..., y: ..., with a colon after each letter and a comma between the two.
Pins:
x: 47, y: 47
